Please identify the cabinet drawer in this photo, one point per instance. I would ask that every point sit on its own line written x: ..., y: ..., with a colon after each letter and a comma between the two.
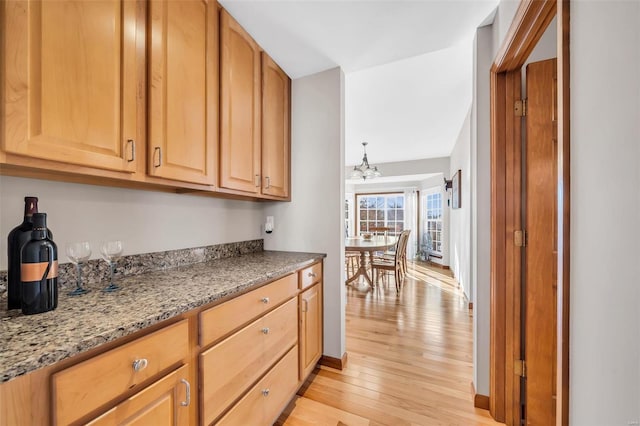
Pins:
x: 234, y: 364
x: 264, y: 402
x: 311, y: 275
x: 80, y: 389
x: 220, y: 320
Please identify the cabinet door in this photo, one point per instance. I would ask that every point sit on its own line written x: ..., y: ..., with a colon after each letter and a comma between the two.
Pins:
x: 70, y: 85
x: 183, y: 90
x: 275, y: 129
x: 240, y: 108
x: 310, y: 329
x: 165, y: 402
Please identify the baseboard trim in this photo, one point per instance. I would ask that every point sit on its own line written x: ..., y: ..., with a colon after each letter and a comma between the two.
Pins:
x: 337, y: 363
x: 438, y: 265
x: 479, y: 401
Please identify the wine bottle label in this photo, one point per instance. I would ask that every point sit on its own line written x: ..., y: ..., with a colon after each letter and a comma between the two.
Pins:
x: 34, y: 271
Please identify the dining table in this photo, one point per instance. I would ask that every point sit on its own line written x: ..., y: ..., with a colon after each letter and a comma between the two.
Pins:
x: 364, y: 246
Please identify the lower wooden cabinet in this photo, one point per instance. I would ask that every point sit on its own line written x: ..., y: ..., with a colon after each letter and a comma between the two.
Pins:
x: 165, y: 402
x: 85, y: 387
x: 263, y: 403
x: 310, y: 329
x: 229, y: 368
x: 242, y: 372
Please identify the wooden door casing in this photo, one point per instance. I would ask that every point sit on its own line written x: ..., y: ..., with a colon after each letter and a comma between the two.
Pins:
x: 240, y: 108
x: 183, y: 90
x: 276, y: 113
x: 70, y: 86
x: 541, y: 249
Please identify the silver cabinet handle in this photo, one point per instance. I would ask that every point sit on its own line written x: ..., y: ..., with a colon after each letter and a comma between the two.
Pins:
x: 265, y: 300
x: 188, y: 393
x: 265, y: 392
x: 257, y: 181
x: 158, y: 150
x: 312, y: 274
x: 268, y: 179
x: 133, y: 149
x: 140, y: 364
x: 265, y: 330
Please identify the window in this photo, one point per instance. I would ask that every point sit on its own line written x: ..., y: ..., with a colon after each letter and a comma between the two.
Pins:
x: 346, y: 217
x: 433, y: 223
x: 380, y: 210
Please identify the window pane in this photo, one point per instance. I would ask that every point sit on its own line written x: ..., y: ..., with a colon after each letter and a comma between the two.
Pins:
x: 391, y: 215
x: 400, y: 202
x: 400, y: 215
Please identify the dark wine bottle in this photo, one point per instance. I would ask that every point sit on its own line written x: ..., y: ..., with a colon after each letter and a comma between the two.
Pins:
x: 18, y: 237
x: 39, y: 270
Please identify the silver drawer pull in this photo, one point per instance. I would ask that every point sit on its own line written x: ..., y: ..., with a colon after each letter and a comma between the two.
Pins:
x: 159, y: 151
x: 265, y: 300
x: 312, y: 274
x: 140, y: 364
x: 133, y: 149
x: 265, y: 330
x: 265, y: 392
x: 188, y: 393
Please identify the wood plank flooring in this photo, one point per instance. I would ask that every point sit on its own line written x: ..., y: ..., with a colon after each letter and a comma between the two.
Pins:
x: 410, y: 360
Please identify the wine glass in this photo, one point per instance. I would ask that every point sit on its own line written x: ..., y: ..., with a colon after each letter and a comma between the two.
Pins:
x: 78, y: 253
x: 111, y: 251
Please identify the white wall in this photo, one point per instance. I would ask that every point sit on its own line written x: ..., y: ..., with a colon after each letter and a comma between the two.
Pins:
x: 314, y: 220
x: 481, y: 208
x: 412, y: 167
x: 460, y: 219
x: 605, y: 213
x: 145, y: 221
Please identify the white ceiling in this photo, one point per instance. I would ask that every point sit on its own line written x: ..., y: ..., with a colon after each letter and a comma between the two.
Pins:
x: 407, y: 64
x: 409, y: 109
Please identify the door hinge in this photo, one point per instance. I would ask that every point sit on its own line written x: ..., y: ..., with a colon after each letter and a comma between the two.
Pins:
x: 520, y: 238
x: 520, y: 108
x: 520, y: 368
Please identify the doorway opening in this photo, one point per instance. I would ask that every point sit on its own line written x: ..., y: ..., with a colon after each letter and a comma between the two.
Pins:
x: 511, y: 294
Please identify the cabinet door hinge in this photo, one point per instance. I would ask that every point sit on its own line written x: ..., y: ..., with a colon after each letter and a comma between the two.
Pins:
x: 520, y: 238
x: 520, y: 368
x: 520, y: 108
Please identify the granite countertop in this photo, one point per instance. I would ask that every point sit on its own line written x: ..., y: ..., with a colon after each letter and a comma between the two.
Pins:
x: 84, y: 322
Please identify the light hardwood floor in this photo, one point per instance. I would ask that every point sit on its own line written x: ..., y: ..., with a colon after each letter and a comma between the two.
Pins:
x: 410, y: 360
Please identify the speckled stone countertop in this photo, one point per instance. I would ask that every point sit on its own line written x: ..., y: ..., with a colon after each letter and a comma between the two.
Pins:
x: 84, y: 322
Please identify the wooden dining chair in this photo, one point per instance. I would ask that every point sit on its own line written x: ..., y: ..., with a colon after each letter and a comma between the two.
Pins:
x: 352, y: 262
x: 395, y: 264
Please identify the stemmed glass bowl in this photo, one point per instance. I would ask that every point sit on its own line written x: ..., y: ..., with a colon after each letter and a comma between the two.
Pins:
x: 111, y: 252
x: 77, y: 254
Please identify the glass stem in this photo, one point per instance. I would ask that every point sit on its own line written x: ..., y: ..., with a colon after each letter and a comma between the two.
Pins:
x: 79, y: 283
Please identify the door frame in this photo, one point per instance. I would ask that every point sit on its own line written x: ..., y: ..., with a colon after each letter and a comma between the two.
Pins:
x: 530, y: 21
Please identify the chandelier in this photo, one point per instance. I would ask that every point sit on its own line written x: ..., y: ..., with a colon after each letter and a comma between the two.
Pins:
x: 364, y: 170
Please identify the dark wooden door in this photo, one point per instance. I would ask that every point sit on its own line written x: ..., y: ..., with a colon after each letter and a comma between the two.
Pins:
x: 541, y: 236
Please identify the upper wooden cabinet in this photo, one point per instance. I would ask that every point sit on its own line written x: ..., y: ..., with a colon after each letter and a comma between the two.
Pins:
x: 240, y: 112
x: 276, y: 89
x: 70, y: 84
x: 183, y: 90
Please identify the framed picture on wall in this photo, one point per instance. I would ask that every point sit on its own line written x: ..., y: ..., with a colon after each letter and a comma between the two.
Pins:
x: 456, y: 196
